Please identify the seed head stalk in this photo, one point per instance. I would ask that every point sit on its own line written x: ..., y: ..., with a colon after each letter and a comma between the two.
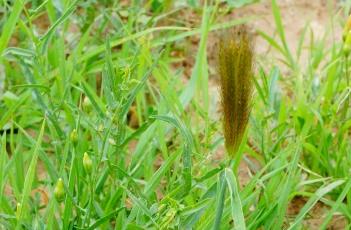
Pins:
x: 235, y: 67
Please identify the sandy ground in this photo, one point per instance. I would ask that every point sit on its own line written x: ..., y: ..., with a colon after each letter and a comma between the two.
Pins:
x: 296, y: 15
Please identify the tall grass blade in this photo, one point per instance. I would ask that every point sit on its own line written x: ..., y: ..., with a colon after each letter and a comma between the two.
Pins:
x: 24, y: 209
x: 236, y: 206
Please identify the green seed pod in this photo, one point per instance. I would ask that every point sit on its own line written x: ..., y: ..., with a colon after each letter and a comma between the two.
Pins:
x: 87, y: 163
x: 86, y: 104
x: 74, y: 136
x: 59, y: 191
x: 235, y: 59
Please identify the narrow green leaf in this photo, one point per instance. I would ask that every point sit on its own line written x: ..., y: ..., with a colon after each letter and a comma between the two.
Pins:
x: 141, y: 205
x: 156, y: 178
x: 10, y: 111
x: 236, y: 206
x: 313, y: 200
x: 23, y: 209
x: 188, y: 145
x: 105, y: 218
x: 94, y: 99
x: 336, y: 205
x: 10, y: 25
x: 46, y: 37
x: 220, y: 198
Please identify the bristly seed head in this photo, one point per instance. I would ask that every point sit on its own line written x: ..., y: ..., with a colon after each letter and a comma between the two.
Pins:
x: 236, y: 72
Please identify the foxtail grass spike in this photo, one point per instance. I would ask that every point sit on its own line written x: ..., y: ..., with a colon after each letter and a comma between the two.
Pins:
x: 235, y: 70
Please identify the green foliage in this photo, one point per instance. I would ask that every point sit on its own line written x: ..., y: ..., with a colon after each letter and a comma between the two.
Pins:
x: 98, y: 96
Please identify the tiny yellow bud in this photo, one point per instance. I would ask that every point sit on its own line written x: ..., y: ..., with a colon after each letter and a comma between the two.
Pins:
x: 59, y: 191
x: 74, y: 136
x: 87, y: 163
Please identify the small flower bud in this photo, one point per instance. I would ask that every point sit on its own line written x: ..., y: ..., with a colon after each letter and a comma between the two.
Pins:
x: 87, y: 163
x: 86, y: 104
x: 59, y: 191
x: 74, y: 136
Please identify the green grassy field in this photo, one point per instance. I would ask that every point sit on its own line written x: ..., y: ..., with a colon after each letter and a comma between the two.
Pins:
x: 103, y: 126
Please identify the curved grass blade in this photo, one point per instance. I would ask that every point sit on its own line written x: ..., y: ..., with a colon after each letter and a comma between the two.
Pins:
x: 337, y: 204
x: 188, y: 145
x: 95, y: 101
x: 220, y: 201
x: 10, y: 25
x: 236, y: 206
x: 105, y: 218
x: 156, y: 178
x: 40, y: 100
x: 46, y: 37
x: 313, y: 200
x: 141, y: 205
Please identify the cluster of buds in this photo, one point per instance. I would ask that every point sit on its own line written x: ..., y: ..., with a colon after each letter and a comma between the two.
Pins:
x: 346, y: 36
x: 87, y: 162
x: 59, y: 191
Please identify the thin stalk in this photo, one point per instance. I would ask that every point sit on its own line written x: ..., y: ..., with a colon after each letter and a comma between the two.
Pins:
x: 86, y: 221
